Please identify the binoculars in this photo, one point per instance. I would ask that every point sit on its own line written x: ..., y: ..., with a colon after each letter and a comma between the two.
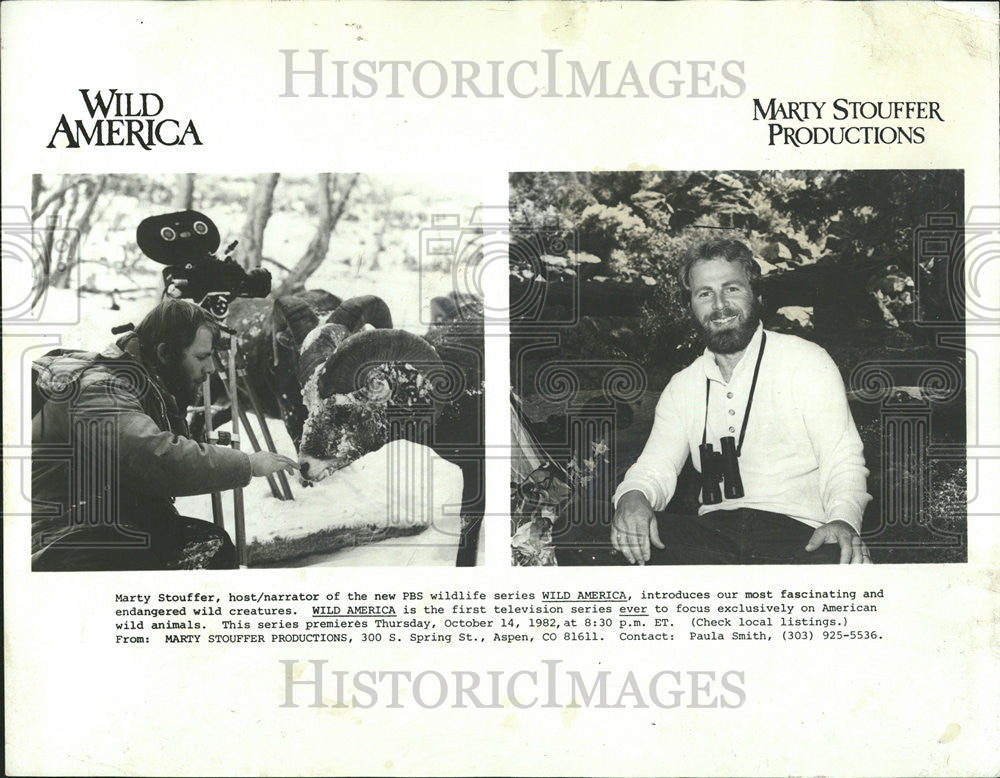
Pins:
x: 720, y: 466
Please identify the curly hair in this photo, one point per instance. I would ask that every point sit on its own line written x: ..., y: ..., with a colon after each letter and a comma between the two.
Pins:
x: 727, y: 249
x: 174, y: 323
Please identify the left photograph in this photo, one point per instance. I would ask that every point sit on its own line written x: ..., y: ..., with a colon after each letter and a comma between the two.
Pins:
x: 265, y: 370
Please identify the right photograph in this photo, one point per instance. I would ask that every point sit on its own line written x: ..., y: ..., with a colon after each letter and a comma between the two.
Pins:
x: 738, y: 367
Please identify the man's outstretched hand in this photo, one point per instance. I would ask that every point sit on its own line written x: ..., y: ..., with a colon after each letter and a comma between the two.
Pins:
x: 852, y: 550
x: 634, y: 527
x: 267, y: 463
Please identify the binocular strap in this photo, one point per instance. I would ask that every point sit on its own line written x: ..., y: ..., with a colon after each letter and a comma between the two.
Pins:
x: 746, y: 413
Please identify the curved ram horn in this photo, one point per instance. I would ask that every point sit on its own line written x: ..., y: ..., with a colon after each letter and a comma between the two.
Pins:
x: 321, y: 300
x: 322, y: 344
x: 359, y: 311
x: 344, y: 370
x: 297, y: 315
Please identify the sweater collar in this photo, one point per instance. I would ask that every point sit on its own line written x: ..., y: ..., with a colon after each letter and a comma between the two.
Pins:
x: 711, y: 369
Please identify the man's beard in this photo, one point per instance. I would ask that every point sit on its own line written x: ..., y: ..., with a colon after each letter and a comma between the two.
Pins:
x: 733, y: 339
x: 184, y: 390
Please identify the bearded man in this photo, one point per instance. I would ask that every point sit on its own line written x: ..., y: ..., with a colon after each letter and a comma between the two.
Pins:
x: 111, y: 449
x: 799, y: 456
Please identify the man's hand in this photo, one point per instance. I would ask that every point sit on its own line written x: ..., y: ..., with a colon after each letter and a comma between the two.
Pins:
x: 267, y: 462
x: 633, y: 527
x: 852, y: 550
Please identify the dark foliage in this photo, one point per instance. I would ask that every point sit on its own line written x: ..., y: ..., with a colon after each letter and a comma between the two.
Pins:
x: 837, y: 249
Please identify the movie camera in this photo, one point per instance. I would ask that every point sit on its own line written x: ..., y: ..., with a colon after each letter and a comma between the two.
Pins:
x: 186, y: 242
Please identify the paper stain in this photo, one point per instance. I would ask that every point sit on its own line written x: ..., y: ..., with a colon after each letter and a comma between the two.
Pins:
x: 968, y: 25
x: 965, y: 27
x: 992, y: 577
x: 863, y: 700
x: 510, y: 722
x: 564, y: 21
x: 951, y: 732
x: 569, y: 714
x: 335, y: 708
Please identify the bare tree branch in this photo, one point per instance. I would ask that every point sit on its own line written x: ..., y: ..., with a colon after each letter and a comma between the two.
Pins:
x: 73, y: 201
x: 81, y: 230
x: 380, y: 238
x: 276, y: 263
x: 36, y: 190
x: 184, y: 192
x: 251, y: 238
x: 41, y: 283
x: 59, y: 193
x: 318, y: 247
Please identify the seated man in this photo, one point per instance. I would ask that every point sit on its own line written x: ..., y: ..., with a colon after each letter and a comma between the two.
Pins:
x: 111, y: 449
x: 782, y: 402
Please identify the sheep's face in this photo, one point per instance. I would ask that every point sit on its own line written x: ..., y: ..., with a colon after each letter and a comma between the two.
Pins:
x: 342, y: 428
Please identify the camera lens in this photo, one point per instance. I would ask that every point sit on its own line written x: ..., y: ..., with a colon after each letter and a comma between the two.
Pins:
x: 167, y: 233
x: 257, y: 283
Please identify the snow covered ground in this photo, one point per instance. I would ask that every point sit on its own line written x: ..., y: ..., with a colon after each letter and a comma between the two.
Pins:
x: 402, y: 484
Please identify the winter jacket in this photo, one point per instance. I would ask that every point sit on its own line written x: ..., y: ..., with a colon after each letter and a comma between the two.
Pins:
x: 110, y: 445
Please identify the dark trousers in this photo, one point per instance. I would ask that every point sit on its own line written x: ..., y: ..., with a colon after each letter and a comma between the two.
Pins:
x: 735, y: 537
x: 171, y: 542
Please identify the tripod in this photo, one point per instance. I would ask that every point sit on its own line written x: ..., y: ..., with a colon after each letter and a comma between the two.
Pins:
x: 232, y: 381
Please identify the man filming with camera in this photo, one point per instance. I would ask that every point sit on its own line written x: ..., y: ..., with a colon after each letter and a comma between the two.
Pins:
x: 765, y: 419
x: 111, y: 449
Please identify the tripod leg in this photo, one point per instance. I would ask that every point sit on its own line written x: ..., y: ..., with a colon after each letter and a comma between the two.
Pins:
x: 240, y: 519
x: 256, y: 447
x: 255, y: 401
x: 250, y: 433
x: 206, y: 394
x: 217, y: 515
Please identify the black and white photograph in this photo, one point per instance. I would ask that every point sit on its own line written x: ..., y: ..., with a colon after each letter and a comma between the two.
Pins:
x: 737, y: 367
x: 500, y: 388
x: 267, y: 371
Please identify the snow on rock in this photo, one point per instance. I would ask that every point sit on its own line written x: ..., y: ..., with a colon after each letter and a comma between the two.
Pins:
x: 403, y: 489
x: 396, y: 506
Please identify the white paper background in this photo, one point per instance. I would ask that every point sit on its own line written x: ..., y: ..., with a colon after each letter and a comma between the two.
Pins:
x: 77, y: 704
